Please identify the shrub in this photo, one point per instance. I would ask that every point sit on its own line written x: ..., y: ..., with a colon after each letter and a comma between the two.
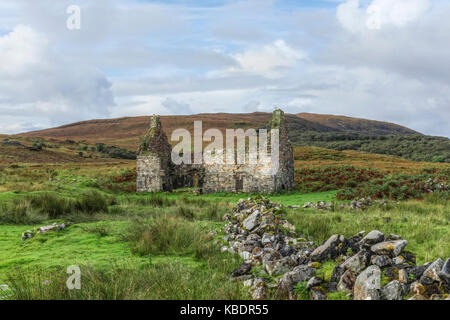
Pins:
x: 329, y: 178
x: 92, y: 201
x: 398, y: 186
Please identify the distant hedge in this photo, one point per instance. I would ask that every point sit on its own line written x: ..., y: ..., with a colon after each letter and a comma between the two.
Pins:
x: 115, y: 152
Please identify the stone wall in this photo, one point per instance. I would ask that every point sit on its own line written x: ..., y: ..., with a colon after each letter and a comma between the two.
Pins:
x: 149, y: 173
x: 284, y: 179
x: 256, y: 178
x: 154, y: 167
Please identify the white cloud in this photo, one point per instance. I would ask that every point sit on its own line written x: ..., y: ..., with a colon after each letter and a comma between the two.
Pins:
x: 19, y: 50
x: 380, y: 14
x: 399, y: 12
x: 36, y: 82
x: 270, y: 60
x: 351, y: 16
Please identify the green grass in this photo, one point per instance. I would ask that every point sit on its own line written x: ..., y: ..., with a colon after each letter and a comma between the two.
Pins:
x: 162, y: 257
x: 289, y: 198
x: 165, y: 281
x: 75, y: 246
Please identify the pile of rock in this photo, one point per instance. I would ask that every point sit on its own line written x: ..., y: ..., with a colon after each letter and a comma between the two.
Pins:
x: 360, y: 204
x: 277, y: 259
x: 53, y: 227
x: 320, y: 205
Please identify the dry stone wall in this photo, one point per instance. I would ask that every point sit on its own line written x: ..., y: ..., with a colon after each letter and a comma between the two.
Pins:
x: 280, y: 263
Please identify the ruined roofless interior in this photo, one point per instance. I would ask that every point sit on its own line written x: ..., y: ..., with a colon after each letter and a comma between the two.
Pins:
x: 156, y: 171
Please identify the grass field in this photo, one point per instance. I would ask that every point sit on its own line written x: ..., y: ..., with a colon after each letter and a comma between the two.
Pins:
x: 161, y: 246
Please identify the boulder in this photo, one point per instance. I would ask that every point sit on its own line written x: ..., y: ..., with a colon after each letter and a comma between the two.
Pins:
x: 393, y: 237
x: 403, y: 276
x: 27, y: 235
x: 290, y: 279
x: 394, y: 290
x: 302, y: 273
x: 431, y: 274
x: 245, y: 255
x: 313, y: 282
x: 286, y: 250
x: 252, y: 221
x: 280, y: 266
x: 444, y: 274
x: 259, y: 293
x: 357, y: 263
x: 416, y: 271
x: 390, y: 248
x: 381, y: 261
x: 331, y: 248
x: 354, y: 243
x: 417, y: 297
x: 347, y: 282
x: 53, y: 227
x: 258, y: 289
x: 367, y: 284
x: 372, y: 238
x: 416, y: 288
x: 267, y: 238
x: 317, y: 294
x: 243, y: 269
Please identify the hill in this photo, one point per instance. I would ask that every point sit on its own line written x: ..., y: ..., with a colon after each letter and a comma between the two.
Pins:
x: 305, y: 129
x: 19, y: 149
x: 348, y: 124
x: 126, y: 132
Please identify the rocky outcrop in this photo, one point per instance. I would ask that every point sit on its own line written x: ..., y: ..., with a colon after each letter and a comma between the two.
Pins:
x: 279, y: 262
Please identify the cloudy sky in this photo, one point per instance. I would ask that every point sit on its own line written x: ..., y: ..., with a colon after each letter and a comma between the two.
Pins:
x: 377, y: 59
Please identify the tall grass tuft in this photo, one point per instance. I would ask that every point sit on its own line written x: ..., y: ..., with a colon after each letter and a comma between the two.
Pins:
x: 51, y: 204
x: 186, y: 213
x: 167, y: 234
x: 91, y: 202
x: 19, y: 211
x: 35, y: 208
x: 214, y: 212
x: 199, y: 202
x: 437, y: 197
x: 155, y: 200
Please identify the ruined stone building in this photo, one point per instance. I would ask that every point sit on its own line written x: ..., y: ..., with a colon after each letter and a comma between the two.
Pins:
x: 156, y: 172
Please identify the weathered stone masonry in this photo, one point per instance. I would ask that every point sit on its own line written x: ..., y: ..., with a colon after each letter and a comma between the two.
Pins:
x: 156, y: 172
